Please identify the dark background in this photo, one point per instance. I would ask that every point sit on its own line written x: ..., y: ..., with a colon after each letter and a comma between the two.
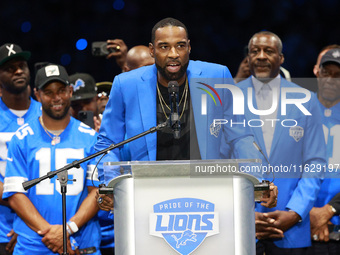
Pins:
x: 218, y: 30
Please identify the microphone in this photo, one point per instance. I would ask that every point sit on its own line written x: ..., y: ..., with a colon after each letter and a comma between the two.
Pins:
x: 173, y: 89
x: 262, y: 189
x: 260, y: 150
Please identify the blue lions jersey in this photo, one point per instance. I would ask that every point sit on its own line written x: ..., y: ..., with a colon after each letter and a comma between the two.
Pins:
x: 31, y: 155
x: 331, y: 184
x: 9, y: 123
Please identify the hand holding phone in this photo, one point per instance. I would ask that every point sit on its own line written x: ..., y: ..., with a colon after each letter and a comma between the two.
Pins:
x: 86, y: 117
x: 100, y: 49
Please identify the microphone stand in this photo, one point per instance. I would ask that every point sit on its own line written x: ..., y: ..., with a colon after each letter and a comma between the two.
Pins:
x: 63, y: 178
x: 173, y: 89
x: 63, y: 175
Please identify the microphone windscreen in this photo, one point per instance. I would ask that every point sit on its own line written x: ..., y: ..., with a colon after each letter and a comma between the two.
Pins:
x: 173, y: 87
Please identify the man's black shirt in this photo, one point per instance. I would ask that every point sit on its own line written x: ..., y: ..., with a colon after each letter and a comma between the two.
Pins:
x: 169, y: 148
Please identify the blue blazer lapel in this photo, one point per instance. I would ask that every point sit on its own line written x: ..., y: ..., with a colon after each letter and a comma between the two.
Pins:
x: 249, y: 116
x: 200, y: 120
x: 147, y: 103
x: 278, y: 127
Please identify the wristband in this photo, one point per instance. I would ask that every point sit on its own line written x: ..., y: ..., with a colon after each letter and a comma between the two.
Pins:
x: 68, y: 230
x: 72, y: 227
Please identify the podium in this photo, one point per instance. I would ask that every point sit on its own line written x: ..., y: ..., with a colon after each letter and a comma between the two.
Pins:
x: 184, y: 207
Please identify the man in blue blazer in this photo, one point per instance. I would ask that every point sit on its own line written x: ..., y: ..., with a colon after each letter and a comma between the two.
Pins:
x: 139, y: 100
x: 291, y: 136
x: 324, y: 216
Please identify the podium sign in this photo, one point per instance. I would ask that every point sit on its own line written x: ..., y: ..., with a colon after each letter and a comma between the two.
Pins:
x: 183, y: 207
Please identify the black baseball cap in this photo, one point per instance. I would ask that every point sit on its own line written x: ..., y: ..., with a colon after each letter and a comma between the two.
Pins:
x: 9, y: 51
x: 84, y: 86
x: 104, y: 86
x: 330, y: 56
x: 51, y: 73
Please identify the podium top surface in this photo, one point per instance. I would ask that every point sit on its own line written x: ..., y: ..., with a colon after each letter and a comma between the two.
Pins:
x: 247, y: 168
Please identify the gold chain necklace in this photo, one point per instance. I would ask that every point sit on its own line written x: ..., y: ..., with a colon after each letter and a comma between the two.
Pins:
x: 162, y: 101
x: 55, y: 138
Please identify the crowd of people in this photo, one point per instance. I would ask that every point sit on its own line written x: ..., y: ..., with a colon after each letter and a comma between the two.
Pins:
x: 74, y: 116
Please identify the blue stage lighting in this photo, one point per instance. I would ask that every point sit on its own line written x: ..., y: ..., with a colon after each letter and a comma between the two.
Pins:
x: 118, y: 5
x: 65, y: 59
x: 81, y: 44
x: 26, y: 26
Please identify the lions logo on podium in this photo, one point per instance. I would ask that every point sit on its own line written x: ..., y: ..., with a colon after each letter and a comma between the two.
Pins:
x: 184, y: 223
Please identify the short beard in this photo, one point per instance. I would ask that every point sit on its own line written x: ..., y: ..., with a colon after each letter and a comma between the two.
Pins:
x: 172, y: 76
x: 14, y: 90
x: 57, y: 117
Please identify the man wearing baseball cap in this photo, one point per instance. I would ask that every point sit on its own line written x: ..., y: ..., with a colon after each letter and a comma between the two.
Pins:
x: 84, y: 99
x: 325, y: 220
x: 103, y: 93
x: 16, y: 109
x: 46, y: 144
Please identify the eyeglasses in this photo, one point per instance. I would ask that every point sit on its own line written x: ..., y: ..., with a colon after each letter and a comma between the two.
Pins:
x: 103, y: 94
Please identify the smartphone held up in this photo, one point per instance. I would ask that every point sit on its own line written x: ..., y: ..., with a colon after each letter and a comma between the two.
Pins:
x: 99, y: 49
